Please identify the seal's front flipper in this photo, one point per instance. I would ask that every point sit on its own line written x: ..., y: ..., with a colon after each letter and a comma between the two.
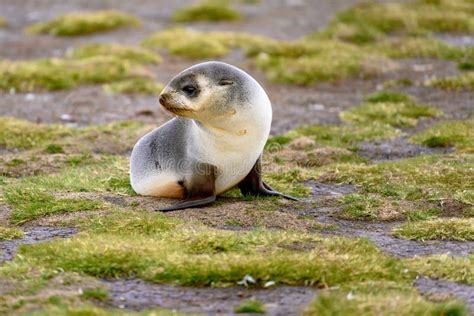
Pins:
x: 252, y: 184
x: 189, y: 204
x: 199, y: 190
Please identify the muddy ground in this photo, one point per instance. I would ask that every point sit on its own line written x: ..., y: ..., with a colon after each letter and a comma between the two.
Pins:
x: 293, y: 106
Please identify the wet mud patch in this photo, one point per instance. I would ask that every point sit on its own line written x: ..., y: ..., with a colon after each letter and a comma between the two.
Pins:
x: 137, y: 295
x: 439, y: 289
x: 395, y: 149
x: 33, y: 235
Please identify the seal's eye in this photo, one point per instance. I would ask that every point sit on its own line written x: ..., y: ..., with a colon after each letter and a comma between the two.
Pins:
x: 225, y: 82
x: 190, y: 90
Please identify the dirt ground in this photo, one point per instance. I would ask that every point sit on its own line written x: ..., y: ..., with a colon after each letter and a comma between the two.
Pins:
x: 293, y: 106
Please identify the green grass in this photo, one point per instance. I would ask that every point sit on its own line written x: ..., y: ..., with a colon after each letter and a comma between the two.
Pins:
x: 394, y: 109
x: 306, y: 63
x: 32, y: 204
x: 433, y: 177
x: 368, y: 22
x: 463, y: 81
x: 210, y: 10
x: 84, y: 23
x: 461, y: 229
x: 131, y: 53
x: 201, y: 256
x: 59, y: 74
x: 459, y: 133
x: 135, y: 85
x: 357, y: 206
x: 99, y: 294
x: 54, y: 149
x: 187, y: 43
x: 379, y: 298
x: 9, y: 233
x: 346, y: 136
x: 117, y: 137
x: 419, y: 47
x: 251, y: 306
x: 444, y: 266
x: 15, y: 133
x: 299, y: 62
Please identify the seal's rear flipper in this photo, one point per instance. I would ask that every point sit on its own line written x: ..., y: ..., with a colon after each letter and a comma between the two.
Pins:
x: 199, y: 191
x: 253, y: 184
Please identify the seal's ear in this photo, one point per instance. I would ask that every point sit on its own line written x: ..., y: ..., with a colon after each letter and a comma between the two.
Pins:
x: 225, y: 82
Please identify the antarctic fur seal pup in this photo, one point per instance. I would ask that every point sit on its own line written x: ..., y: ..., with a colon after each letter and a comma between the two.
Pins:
x: 214, y: 143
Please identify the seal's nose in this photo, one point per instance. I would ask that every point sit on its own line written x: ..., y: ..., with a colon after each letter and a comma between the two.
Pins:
x: 163, y: 98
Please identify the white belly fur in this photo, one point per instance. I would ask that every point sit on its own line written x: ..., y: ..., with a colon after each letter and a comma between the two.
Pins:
x: 159, y: 185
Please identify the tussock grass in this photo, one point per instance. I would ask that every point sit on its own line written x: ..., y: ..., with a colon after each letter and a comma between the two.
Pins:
x: 113, y: 138
x: 83, y: 23
x: 463, y: 81
x: 209, y: 10
x: 207, y: 257
x: 395, y: 109
x: 299, y: 62
x: 419, y: 47
x: 15, y: 133
x: 135, y: 85
x: 379, y: 298
x: 444, y: 266
x: 9, y: 233
x: 32, y: 204
x: 369, y: 22
x: 459, y: 133
x: 433, y: 177
x: 59, y: 74
x: 131, y: 53
x: 197, y: 45
x: 461, y: 229
x: 346, y: 136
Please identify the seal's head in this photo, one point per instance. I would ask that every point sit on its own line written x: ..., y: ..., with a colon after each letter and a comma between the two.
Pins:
x: 212, y: 91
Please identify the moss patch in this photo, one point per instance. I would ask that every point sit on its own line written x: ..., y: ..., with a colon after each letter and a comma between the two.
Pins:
x: 438, y: 229
x: 456, y: 269
x: 379, y: 298
x: 458, y: 133
x: 391, y: 108
x: 9, y: 233
x: 211, y: 10
x: 464, y: 81
x: 252, y: 306
x: 84, y: 23
x: 123, y: 52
